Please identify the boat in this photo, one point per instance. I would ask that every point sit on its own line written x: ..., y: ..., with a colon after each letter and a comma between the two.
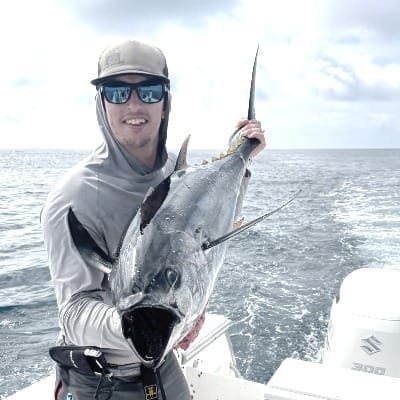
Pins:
x: 360, y: 357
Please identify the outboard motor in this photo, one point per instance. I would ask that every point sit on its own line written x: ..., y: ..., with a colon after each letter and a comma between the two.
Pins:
x: 364, y: 326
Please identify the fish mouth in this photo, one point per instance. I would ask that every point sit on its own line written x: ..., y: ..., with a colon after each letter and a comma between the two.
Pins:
x: 149, y: 328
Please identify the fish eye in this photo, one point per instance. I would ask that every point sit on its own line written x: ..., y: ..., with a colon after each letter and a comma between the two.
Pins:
x: 171, y: 276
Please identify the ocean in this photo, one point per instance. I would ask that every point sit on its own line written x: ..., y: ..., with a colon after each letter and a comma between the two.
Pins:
x: 278, y: 280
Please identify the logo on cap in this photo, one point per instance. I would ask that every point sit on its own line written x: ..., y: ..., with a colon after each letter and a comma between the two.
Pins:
x: 112, y: 59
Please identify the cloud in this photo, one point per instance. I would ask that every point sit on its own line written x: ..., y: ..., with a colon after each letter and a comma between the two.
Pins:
x: 384, y: 60
x: 127, y: 17
x: 6, y: 118
x: 340, y: 81
x: 332, y: 82
x: 24, y: 81
x: 380, y: 18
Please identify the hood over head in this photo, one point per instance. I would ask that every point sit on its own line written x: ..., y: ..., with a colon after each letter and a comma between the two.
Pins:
x: 133, y: 57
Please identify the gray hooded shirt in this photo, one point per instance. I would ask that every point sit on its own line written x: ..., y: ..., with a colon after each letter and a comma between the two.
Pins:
x: 105, y: 191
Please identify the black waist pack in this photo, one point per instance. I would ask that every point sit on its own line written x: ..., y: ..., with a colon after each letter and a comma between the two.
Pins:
x: 87, y: 360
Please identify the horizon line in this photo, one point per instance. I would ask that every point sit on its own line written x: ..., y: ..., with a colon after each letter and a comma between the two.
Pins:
x: 197, y: 149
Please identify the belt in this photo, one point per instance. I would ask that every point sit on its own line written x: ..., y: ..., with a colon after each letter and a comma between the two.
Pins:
x: 90, y: 360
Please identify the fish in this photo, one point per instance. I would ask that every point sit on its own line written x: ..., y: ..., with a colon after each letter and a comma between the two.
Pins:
x: 163, y: 275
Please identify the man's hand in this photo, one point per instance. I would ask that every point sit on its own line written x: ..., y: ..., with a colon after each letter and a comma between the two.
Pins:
x: 252, y: 129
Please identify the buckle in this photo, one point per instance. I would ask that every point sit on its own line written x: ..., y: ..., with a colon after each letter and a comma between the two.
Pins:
x: 97, y: 362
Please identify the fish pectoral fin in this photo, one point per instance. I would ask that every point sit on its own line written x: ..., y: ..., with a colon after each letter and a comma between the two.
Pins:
x: 156, y: 196
x: 238, y: 223
x: 208, y: 244
x: 87, y: 247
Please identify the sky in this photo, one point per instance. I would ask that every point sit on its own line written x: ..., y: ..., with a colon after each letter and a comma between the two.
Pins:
x: 328, y: 73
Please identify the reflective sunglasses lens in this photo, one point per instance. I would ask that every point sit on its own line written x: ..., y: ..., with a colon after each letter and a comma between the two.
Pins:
x: 151, y: 93
x: 117, y: 94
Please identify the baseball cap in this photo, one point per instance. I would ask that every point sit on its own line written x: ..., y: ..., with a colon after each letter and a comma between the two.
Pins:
x: 131, y: 57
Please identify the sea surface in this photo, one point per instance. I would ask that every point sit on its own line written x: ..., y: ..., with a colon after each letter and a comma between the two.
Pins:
x: 278, y: 281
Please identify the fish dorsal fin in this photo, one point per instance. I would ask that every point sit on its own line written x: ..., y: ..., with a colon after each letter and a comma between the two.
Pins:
x: 153, y: 201
x: 181, y: 162
x: 89, y: 250
x: 251, y: 112
x: 240, y: 229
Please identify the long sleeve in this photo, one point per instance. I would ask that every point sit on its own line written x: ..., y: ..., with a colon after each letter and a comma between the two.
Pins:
x: 86, y: 315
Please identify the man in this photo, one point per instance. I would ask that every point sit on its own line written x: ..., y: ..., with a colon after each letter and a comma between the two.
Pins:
x: 105, y: 191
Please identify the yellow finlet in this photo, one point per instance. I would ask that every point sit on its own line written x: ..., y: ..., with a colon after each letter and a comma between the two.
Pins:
x: 238, y: 223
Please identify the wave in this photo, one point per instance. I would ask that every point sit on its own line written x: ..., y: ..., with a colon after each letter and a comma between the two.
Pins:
x: 25, y: 296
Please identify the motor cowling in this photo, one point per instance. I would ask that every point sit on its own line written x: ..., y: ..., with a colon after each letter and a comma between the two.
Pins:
x: 364, y: 327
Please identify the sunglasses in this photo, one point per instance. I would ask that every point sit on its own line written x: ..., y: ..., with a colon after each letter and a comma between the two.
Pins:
x: 120, y: 92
